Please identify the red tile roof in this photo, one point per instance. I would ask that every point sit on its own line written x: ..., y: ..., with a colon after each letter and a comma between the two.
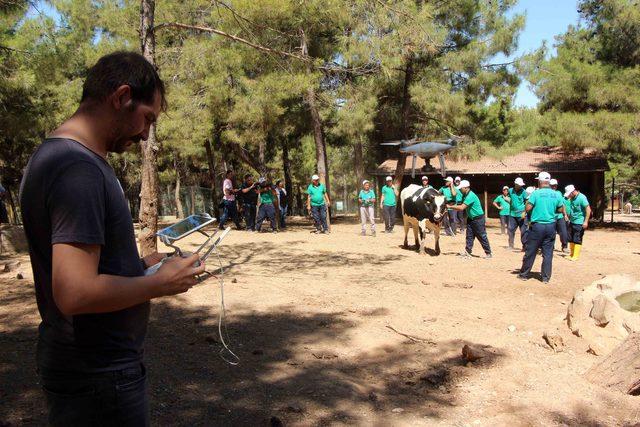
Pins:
x: 549, y: 159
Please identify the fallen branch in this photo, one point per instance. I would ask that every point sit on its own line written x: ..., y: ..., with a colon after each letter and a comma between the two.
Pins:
x: 412, y: 338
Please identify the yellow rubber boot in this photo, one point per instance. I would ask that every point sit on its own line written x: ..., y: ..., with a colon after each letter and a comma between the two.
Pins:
x: 572, y: 247
x: 576, y: 252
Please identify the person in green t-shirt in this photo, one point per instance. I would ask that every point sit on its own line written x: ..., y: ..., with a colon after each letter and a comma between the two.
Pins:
x: 561, y: 218
x: 266, y: 208
x: 476, y: 227
x: 517, y: 216
x: 578, y: 219
x: 503, y: 207
x: 543, y: 206
x: 317, y: 202
x: 425, y: 182
x: 367, y: 199
x: 461, y: 216
x: 450, y: 221
x: 388, y: 203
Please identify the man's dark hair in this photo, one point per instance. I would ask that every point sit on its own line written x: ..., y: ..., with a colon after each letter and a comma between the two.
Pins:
x: 123, y: 68
x: 278, y: 182
x: 247, y: 176
x: 229, y: 171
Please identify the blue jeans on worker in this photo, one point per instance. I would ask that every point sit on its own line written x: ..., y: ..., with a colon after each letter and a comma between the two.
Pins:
x: 389, y: 213
x: 561, y: 229
x: 451, y: 223
x: 575, y: 233
x: 515, y: 223
x: 476, y: 229
x: 283, y: 215
x: 319, y: 214
x: 230, y: 211
x: 504, y: 223
x: 114, y: 398
x: 250, y: 216
x: 541, y: 236
x: 266, y: 211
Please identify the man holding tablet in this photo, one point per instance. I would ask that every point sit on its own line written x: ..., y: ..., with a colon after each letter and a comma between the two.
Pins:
x: 91, y: 290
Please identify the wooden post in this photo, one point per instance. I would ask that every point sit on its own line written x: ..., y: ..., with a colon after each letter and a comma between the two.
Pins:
x: 613, y: 185
x: 486, y: 198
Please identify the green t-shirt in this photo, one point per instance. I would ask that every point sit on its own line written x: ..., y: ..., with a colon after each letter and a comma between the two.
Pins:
x: 458, y: 196
x: 578, y: 209
x: 567, y: 206
x: 317, y: 194
x: 389, y: 195
x: 446, y: 192
x: 474, y: 207
x: 367, y: 197
x: 560, y: 215
x: 545, y: 203
x: 517, y: 202
x: 266, y: 197
x: 504, y: 205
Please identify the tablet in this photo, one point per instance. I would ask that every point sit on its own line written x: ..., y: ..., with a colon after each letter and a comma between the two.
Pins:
x: 185, y: 227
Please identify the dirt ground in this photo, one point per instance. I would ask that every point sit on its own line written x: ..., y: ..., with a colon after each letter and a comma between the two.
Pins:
x: 309, y: 317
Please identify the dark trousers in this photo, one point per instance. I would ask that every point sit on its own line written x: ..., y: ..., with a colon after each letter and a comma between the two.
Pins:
x: 283, y: 215
x: 504, y: 223
x: 250, y: 216
x: 230, y: 211
x: 541, y: 236
x: 117, y: 398
x: 575, y: 233
x: 461, y: 216
x: 389, y: 213
x: 476, y: 229
x: 266, y: 211
x: 515, y: 223
x: 561, y: 229
x: 319, y: 214
x: 451, y: 223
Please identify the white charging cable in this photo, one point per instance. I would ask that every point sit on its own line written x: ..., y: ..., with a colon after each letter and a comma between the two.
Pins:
x: 235, y: 360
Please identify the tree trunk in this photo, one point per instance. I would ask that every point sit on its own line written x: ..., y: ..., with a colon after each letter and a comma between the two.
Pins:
x: 192, y: 195
x: 621, y: 369
x: 358, y: 162
x: 12, y: 214
x: 179, y: 209
x: 318, y: 134
x: 406, y: 121
x: 148, y: 215
x: 212, y: 171
x: 286, y: 170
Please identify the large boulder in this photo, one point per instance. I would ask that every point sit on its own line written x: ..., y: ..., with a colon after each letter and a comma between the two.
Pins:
x: 595, y: 315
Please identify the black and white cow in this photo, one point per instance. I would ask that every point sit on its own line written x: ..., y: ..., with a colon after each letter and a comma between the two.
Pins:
x: 422, y: 209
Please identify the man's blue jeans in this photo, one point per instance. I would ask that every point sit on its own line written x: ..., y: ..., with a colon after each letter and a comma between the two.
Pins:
x: 283, y: 215
x: 250, y: 216
x: 476, y: 229
x: 561, y: 229
x: 230, y: 211
x: 515, y: 223
x: 541, y: 236
x: 319, y: 214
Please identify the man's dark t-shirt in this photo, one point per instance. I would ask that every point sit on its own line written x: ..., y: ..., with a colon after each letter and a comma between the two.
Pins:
x: 251, y: 196
x: 69, y: 194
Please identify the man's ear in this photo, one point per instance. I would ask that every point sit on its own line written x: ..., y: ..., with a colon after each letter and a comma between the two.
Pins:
x: 121, y: 98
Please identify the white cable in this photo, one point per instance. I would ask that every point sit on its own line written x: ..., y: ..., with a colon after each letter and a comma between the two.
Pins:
x: 222, y: 317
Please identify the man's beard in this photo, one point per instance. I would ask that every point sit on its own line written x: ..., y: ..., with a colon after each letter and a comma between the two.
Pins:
x: 122, y: 144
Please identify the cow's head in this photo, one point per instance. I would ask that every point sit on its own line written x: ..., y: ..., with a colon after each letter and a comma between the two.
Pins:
x: 439, y: 208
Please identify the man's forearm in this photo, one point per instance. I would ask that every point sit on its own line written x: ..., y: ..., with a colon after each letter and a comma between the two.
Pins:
x: 106, y: 293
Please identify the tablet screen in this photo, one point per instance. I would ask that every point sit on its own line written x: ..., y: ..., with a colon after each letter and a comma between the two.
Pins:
x: 186, y: 226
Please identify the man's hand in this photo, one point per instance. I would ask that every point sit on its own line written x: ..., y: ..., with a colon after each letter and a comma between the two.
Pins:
x: 524, y: 215
x: 585, y: 225
x: 153, y: 259
x: 566, y: 217
x: 178, y: 275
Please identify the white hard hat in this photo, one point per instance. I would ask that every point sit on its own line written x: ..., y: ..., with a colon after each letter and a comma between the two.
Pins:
x: 544, y: 176
x: 449, y: 179
x: 366, y: 181
x: 519, y: 181
x: 388, y: 178
x: 314, y: 177
x: 553, y: 181
x: 424, y: 177
x: 506, y: 187
x: 458, y: 178
x: 530, y: 190
x: 464, y: 184
x: 569, y: 189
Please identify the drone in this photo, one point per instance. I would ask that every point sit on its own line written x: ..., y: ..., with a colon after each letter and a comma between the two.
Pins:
x: 426, y: 150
